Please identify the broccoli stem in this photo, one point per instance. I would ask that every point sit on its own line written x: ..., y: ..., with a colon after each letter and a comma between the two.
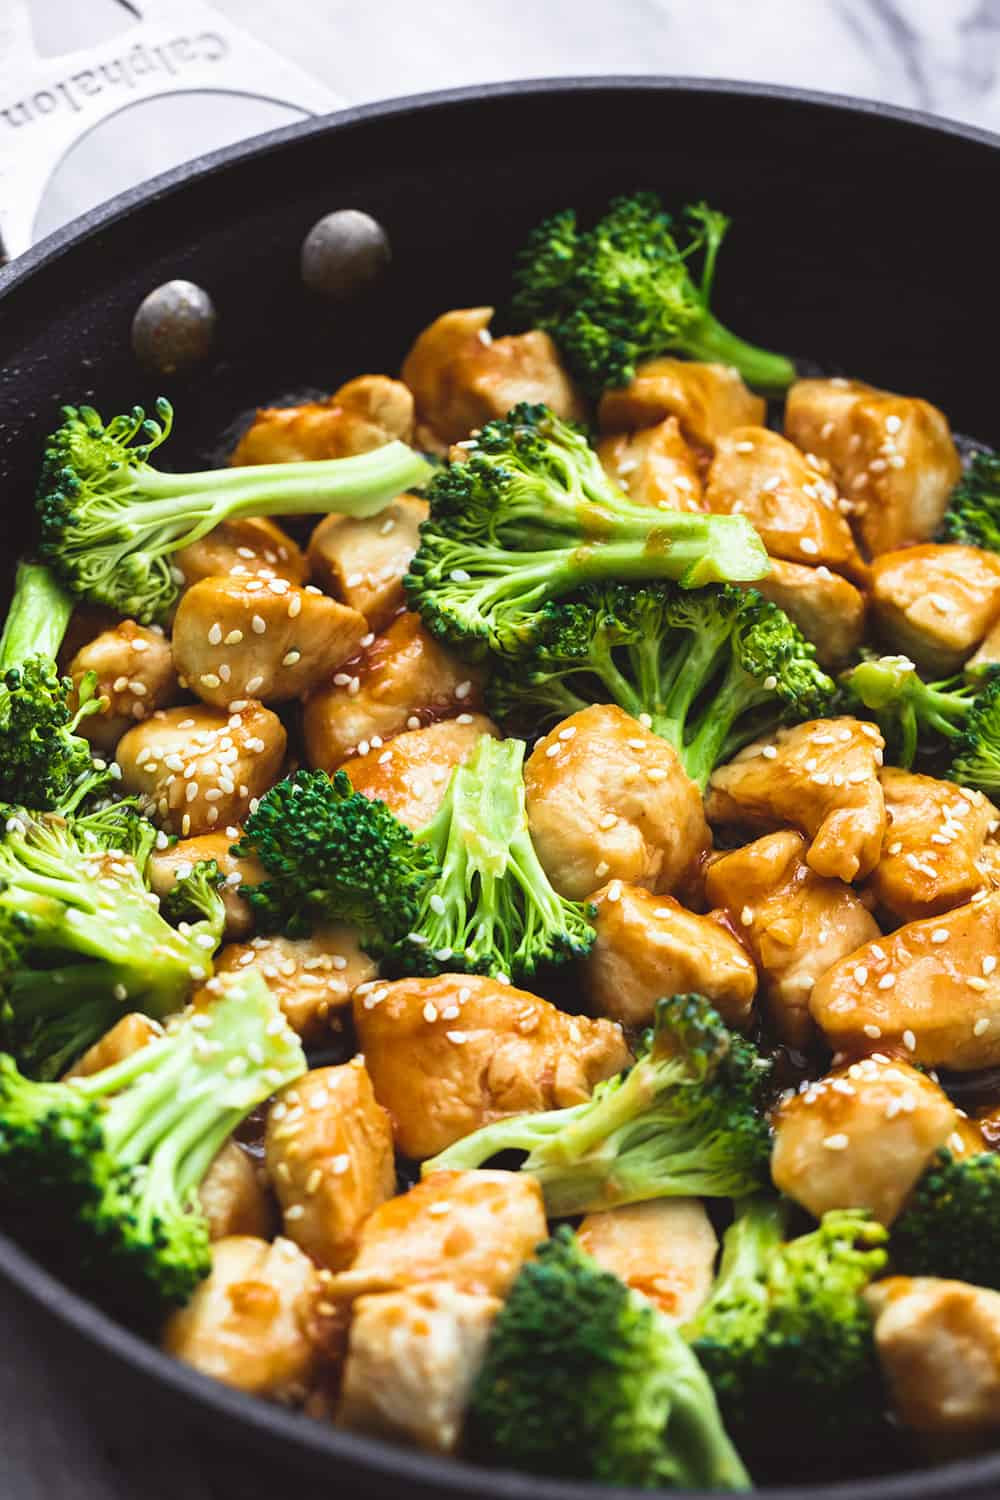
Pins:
x: 37, y: 618
x: 708, y: 339
x: 713, y: 740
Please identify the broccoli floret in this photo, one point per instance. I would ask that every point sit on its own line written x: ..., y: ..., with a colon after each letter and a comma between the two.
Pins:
x: 973, y: 514
x: 195, y: 897
x: 623, y: 292
x: 976, y: 761
x: 113, y: 1161
x: 110, y: 521
x: 530, y: 515
x: 686, y: 1120
x: 951, y: 1223
x: 785, y: 1335
x: 584, y: 1379
x: 708, y: 670
x: 83, y: 941
x: 909, y: 711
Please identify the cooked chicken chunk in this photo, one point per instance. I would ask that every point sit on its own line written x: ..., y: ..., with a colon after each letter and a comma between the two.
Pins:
x: 135, y: 673
x: 654, y: 466
x: 167, y: 866
x: 609, y: 800
x: 329, y: 1155
x: 412, y: 1360
x: 236, y: 638
x: 648, y: 946
x: 664, y: 1249
x: 449, y: 1054
x: 828, y: 610
x: 707, y: 400
x: 987, y: 656
x: 411, y: 774
x: 861, y: 1136
x: 195, y: 767
x: 892, y: 456
x: 363, y: 414
x: 125, y: 1037
x: 797, y: 924
x: 786, y: 495
x: 930, y: 989
x: 363, y: 562
x: 461, y: 376
x: 232, y: 1197
x: 822, y: 777
x: 311, y: 978
x: 932, y: 852
x: 247, y: 547
x: 404, y: 680
x: 473, y: 1230
x: 936, y: 603
x: 248, y: 1324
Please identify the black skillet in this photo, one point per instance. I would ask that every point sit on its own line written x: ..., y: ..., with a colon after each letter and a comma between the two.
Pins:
x: 862, y: 239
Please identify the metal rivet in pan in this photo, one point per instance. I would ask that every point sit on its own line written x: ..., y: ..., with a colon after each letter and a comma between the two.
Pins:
x: 344, y: 253
x: 174, y: 327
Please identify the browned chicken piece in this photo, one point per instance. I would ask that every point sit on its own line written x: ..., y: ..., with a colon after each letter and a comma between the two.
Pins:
x: 193, y: 768
x: 247, y: 547
x: 861, y: 1137
x: 822, y: 777
x: 707, y: 400
x: 648, y: 946
x: 609, y: 800
x: 449, y: 1054
x: 473, y: 1230
x: 125, y: 1037
x: 797, y: 924
x: 365, y: 413
x: 167, y: 866
x: 786, y: 495
x: 664, y: 1249
x: 411, y: 774
x: 232, y: 1197
x: 654, y: 466
x: 363, y: 562
x: 249, y: 1323
x: 930, y: 989
x: 404, y: 680
x: 936, y: 603
x: 987, y: 656
x: 892, y: 456
x: 932, y: 852
x: 412, y: 1360
x: 329, y: 1155
x: 311, y: 978
x: 828, y: 609
x: 135, y: 673
x: 461, y: 376
x: 265, y: 639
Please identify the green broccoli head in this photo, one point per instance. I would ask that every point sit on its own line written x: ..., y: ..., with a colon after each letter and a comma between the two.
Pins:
x: 911, y: 713
x: 583, y: 1379
x: 950, y: 1225
x: 195, y: 898
x: 623, y: 291
x: 973, y: 514
x: 976, y: 761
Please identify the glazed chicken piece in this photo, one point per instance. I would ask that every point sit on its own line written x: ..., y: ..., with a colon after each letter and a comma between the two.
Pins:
x: 362, y: 562
x: 365, y: 413
x: 609, y: 800
x: 249, y: 1322
x: 707, y: 400
x: 461, y: 376
x: 786, y: 495
x: 411, y: 774
x: 167, y: 866
x: 828, y: 610
x: 232, y: 1197
x: 404, y: 680
x: 247, y: 547
x: 195, y: 767
x: 822, y: 777
x: 862, y: 1136
x: 654, y: 466
x: 892, y: 456
x: 648, y: 946
x: 932, y: 852
x: 329, y: 1155
x: 135, y: 673
x: 797, y: 924
x: 936, y: 603
x: 664, y: 1249
x: 311, y: 978
x: 449, y: 1054
x: 236, y: 639
x: 930, y: 989
x: 125, y: 1037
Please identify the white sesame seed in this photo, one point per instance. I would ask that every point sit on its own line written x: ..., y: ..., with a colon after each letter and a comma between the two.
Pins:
x: 873, y: 1031
x: 552, y: 750
x: 975, y: 983
x: 983, y: 1024
x: 770, y: 752
x: 887, y: 981
x: 290, y: 658
x: 909, y: 1041
x: 838, y: 1142
x: 940, y: 935
x: 861, y: 974
x: 253, y: 684
x: 458, y: 1037
x: 614, y: 891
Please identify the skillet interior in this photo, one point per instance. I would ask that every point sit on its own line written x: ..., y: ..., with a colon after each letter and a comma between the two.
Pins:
x: 849, y: 246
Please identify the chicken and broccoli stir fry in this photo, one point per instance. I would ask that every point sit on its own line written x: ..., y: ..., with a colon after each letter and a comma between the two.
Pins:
x: 500, y: 892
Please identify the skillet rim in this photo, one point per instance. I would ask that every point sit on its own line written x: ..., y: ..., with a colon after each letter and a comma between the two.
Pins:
x: 381, y: 1460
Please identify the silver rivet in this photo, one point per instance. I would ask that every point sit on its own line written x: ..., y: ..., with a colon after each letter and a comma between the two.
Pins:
x: 174, y: 327
x: 344, y: 253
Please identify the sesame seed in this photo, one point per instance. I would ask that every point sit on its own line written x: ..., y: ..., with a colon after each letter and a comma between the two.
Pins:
x: 234, y: 637
x: 297, y: 1211
x: 646, y: 720
x: 253, y: 684
x: 861, y: 974
x: 975, y: 983
x: 615, y: 891
x: 838, y: 1142
x: 989, y: 963
x: 459, y: 575
x: 458, y: 1037
x: 770, y: 752
x: 873, y: 1031
x: 808, y: 546
x: 552, y: 750
x: 258, y: 625
x: 887, y: 981
x: 354, y: 580
x: 983, y: 1024
x: 290, y: 658
x: 655, y: 774
x: 436, y: 904
x: 770, y: 683
x: 568, y: 732
x: 608, y: 820
x: 940, y: 935
x: 463, y: 690
x: 909, y: 1041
